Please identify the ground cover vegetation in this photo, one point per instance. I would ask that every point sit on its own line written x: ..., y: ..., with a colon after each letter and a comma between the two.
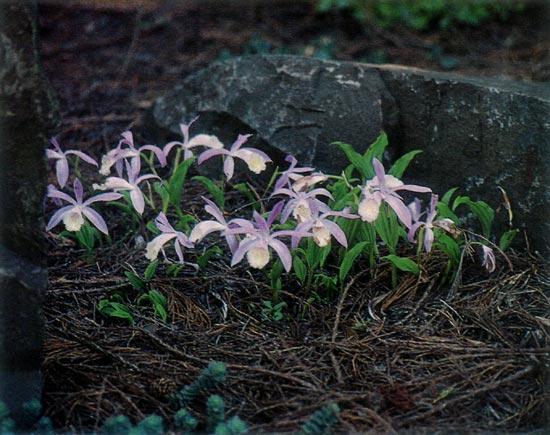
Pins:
x: 409, y: 316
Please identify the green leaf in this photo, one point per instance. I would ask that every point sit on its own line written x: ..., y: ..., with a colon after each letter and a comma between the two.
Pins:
x: 376, y: 149
x: 177, y: 180
x: 243, y: 188
x: 299, y: 268
x: 213, y: 188
x: 402, y: 163
x: 115, y: 309
x: 349, y: 259
x: 449, y: 246
x: 135, y: 281
x: 506, y: 239
x: 444, y: 211
x: 162, y: 190
x: 356, y: 159
x: 481, y: 209
x: 150, y: 270
x: 404, y: 264
x: 202, y: 261
x: 447, y: 197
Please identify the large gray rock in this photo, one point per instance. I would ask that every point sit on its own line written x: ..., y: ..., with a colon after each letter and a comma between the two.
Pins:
x: 27, y: 114
x: 292, y: 105
x: 476, y: 134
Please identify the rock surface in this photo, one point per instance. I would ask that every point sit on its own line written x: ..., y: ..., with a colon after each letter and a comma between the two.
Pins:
x: 27, y: 114
x: 476, y: 134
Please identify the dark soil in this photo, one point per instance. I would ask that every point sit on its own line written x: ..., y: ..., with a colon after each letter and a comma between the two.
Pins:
x: 427, y: 357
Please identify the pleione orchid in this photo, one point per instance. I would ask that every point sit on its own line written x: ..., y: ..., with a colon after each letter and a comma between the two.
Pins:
x: 301, y: 203
x: 202, y: 229
x: 489, y: 260
x: 117, y: 155
x: 383, y: 188
x: 292, y: 173
x: 168, y: 233
x: 131, y: 185
x: 324, y: 229
x: 429, y: 224
x: 204, y: 140
x: 73, y: 215
x: 62, y: 164
x: 258, y: 239
x: 255, y: 159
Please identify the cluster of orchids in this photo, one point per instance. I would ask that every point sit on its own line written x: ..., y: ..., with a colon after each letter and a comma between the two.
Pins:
x: 301, y: 209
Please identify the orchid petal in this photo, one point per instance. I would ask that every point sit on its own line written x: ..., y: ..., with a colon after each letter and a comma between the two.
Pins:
x: 58, y: 216
x: 275, y: 212
x: 205, y: 155
x: 158, y: 152
x: 137, y: 200
x: 336, y: 231
x: 240, y: 252
x: 95, y: 218
x: 117, y: 183
x: 204, y: 140
x: 83, y: 156
x: 179, y: 253
x: 400, y: 209
x: 202, y: 229
x: 228, y: 167
x: 54, y: 193
x: 155, y: 245
x: 62, y: 171
x: 107, y: 197
x: 261, y: 223
x: 78, y: 190
x: 161, y: 222
x: 413, y: 188
x: 213, y: 210
x: 241, y: 139
x: 283, y: 252
x: 168, y: 147
x: 428, y: 239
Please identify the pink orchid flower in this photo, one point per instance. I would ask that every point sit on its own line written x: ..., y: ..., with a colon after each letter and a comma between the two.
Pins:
x: 254, y: 158
x: 62, y: 164
x: 73, y: 215
x: 204, y: 140
x: 202, y: 229
x: 384, y: 187
x: 117, y: 155
x: 301, y: 203
x: 292, y: 173
x: 489, y: 260
x: 167, y: 233
x: 322, y: 228
x: 428, y: 224
x: 259, y: 238
x: 132, y: 184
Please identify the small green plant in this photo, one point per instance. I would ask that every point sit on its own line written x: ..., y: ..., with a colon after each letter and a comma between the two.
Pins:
x: 271, y: 311
x: 121, y: 425
x: 210, y: 377
x: 321, y: 420
x: 32, y: 409
x: 422, y: 14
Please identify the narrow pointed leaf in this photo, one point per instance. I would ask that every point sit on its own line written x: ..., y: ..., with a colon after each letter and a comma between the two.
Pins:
x: 404, y: 264
x: 177, y: 180
x: 349, y: 259
x: 398, y: 168
x: 213, y: 188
